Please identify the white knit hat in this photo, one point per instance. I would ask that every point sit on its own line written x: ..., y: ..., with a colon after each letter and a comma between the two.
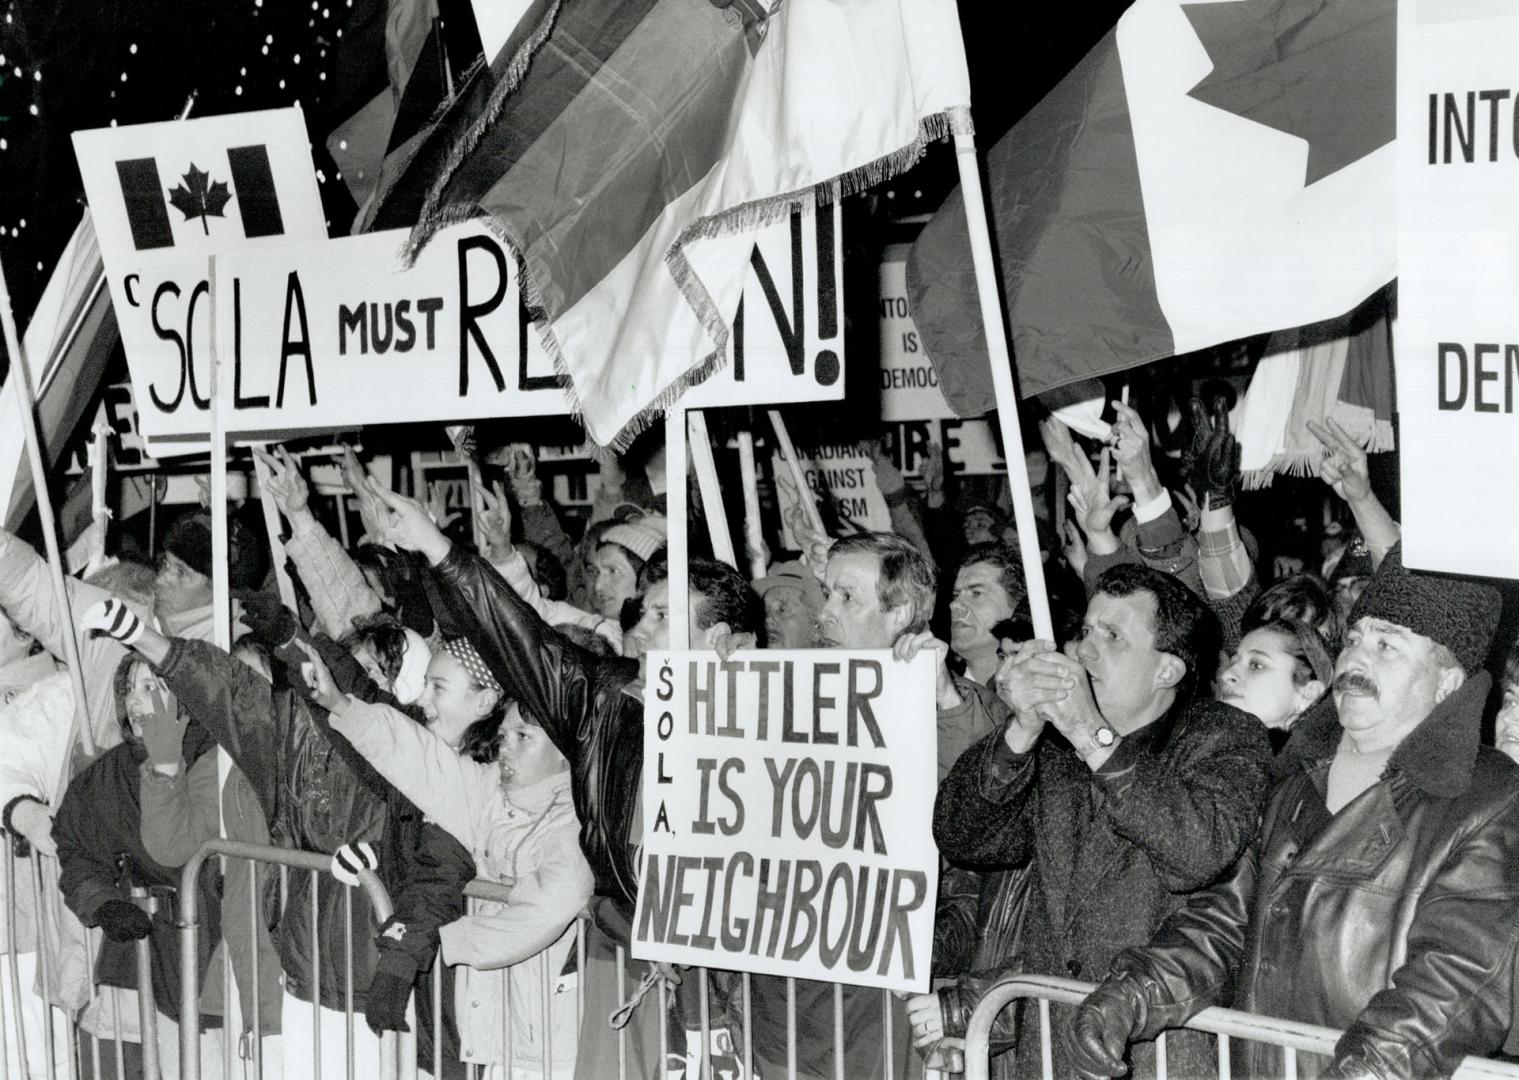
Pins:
x: 643, y: 537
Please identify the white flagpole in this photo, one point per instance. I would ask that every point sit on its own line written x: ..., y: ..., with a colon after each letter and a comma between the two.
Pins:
x: 711, y: 491
x: 1002, y: 381
x: 677, y: 551
x: 22, y: 377
x: 753, y: 537
x: 221, y: 589
x: 804, y: 492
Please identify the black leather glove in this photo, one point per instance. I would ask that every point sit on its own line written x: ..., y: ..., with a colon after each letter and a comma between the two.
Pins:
x: 385, y: 1002
x: 1100, y: 1031
x: 267, y: 618
x: 123, y: 920
x: 1215, y: 455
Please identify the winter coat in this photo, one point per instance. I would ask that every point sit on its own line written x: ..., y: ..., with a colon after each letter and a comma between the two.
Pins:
x: 98, y: 830
x: 529, y: 838
x: 337, y: 587
x: 581, y: 701
x: 1394, y: 919
x: 36, y: 725
x: 179, y: 814
x: 1110, y: 853
x: 314, y: 797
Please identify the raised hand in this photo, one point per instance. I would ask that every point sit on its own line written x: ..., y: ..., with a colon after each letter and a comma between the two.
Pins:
x: 286, y: 486
x: 371, y: 509
x: 1074, y: 548
x: 437, y: 506
x: 1064, y: 452
x: 932, y: 470
x: 1095, y: 507
x: 408, y: 526
x: 1130, y: 440
x: 324, y: 691
x: 113, y: 618
x: 163, y: 733
x: 1344, y: 467
x: 495, y: 515
x: 1215, y: 454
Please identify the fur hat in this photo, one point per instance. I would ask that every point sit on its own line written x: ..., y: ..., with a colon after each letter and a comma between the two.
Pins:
x: 1456, y: 612
x: 644, y: 537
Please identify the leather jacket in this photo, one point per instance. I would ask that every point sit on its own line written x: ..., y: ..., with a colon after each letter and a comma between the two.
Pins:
x: 1395, y: 919
x: 579, y: 699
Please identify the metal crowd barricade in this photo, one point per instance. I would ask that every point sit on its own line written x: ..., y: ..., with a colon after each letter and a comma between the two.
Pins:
x: 392, y: 1050
x: 1227, y: 1024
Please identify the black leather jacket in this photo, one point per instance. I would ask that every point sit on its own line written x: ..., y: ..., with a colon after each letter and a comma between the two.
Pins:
x: 1395, y: 919
x: 579, y: 699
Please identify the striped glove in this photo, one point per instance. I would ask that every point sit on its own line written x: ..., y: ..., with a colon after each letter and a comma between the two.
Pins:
x: 349, y: 859
x: 113, y: 618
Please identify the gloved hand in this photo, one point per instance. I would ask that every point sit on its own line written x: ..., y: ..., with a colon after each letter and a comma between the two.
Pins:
x: 267, y: 618
x: 113, y: 618
x: 349, y: 859
x: 123, y: 920
x: 385, y: 1002
x: 1100, y: 1030
x: 1215, y: 455
x: 163, y: 735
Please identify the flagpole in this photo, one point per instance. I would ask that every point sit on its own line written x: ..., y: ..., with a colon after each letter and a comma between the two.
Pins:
x: 221, y: 591
x: 21, y: 376
x: 677, y: 551
x: 711, y: 491
x: 803, y: 490
x: 1002, y: 381
x: 749, y: 475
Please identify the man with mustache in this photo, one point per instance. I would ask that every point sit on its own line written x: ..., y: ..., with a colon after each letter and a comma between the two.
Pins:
x: 1381, y: 896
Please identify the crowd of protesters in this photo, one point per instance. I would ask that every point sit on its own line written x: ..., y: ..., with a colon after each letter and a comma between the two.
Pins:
x: 1281, y: 787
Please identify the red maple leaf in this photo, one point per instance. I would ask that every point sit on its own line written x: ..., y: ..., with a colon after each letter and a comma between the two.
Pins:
x: 200, y: 196
x: 1322, y: 70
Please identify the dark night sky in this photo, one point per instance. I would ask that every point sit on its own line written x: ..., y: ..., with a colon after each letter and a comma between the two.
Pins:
x: 67, y: 65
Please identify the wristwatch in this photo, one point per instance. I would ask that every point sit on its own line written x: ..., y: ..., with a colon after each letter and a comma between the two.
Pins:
x: 1105, y: 736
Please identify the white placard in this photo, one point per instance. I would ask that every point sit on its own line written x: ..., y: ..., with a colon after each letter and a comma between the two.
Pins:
x: 788, y: 808
x: 165, y: 197
x: 1457, y: 344
x: 909, y: 381
x: 342, y: 332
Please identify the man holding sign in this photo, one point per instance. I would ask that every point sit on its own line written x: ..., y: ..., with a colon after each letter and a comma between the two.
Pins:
x: 1118, y: 783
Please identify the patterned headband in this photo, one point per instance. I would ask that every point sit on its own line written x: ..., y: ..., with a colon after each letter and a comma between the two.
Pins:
x: 461, y: 650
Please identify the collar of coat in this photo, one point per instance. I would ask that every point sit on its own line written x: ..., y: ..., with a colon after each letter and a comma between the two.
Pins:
x: 1437, y: 756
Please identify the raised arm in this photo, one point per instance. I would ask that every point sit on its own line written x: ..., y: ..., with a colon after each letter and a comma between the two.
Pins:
x: 544, y: 902
x: 339, y: 593
x: 451, y: 790
x: 552, y: 679
x: 1346, y: 471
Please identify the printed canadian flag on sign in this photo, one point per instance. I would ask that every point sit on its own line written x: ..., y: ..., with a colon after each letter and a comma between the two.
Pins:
x: 164, y: 198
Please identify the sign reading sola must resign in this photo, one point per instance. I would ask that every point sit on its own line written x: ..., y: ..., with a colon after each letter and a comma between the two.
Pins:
x: 788, y: 808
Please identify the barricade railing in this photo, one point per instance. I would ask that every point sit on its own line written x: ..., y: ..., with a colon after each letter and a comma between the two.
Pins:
x: 50, y: 1039
x: 391, y: 1051
x: 1228, y: 1024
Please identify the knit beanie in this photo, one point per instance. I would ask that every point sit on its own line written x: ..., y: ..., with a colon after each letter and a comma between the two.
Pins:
x: 189, y: 540
x: 643, y: 537
x: 1458, y: 613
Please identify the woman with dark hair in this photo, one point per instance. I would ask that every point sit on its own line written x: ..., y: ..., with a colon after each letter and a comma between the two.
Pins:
x: 517, y: 818
x: 1280, y: 669
x: 1506, y: 725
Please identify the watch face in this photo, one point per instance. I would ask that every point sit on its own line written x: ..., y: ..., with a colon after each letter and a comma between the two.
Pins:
x: 1106, y: 736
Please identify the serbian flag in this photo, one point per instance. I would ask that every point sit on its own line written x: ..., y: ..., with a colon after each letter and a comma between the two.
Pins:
x: 629, y: 148
x: 1209, y: 171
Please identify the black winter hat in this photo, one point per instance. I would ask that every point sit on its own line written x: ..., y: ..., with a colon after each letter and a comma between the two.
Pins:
x: 189, y: 540
x: 1458, y: 613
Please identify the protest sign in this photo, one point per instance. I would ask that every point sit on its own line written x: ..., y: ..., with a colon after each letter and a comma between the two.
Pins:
x: 164, y: 198
x: 1457, y: 334
x: 845, y: 475
x: 909, y: 382
x: 342, y: 333
x: 788, y: 809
